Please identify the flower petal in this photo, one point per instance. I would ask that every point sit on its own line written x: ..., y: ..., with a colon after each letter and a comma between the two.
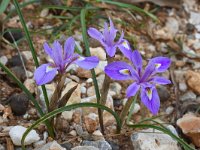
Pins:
x: 119, y: 70
x: 69, y: 47
x: 132, y: 89
x: 125, y: 48
x: 94, y: 33
x: 47, y: 49
x: 57, y: 53
x: 149, y: 70
x: 44, y: 74
x: 111, y: 50
x: 161, y: 63
x: 161, y: 80
x: 87, y: 62
x: 136, y: 59
x: 152, y: 104
x: 112, y: 31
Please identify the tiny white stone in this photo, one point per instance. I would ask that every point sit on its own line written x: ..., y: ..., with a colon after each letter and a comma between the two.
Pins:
x: 67, y: 115
x: 73, y: 133
x: 83, y: 90
x: 3, y: 60
x: 89, y: 80
x: 17, y: 132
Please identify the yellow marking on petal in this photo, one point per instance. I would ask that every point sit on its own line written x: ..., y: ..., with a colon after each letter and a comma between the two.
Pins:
x: 81, y: 58
x: 125, y: 44
x: 157, y: 66
x: 124, y: 72
x: 149, y: 93
x: 49, y: 68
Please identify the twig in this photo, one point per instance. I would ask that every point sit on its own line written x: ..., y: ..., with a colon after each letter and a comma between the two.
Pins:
x: 20, y: 56
x: 176, y: 91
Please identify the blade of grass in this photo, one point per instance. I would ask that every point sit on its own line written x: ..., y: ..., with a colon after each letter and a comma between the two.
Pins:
x: 84, y: 33
x: 30, y: 46
x: 24, y: 4
x: 67, y: 108
x: 135, y: 8
x: 3, y: 5
x: 33, y: 54
x: 20, y: 84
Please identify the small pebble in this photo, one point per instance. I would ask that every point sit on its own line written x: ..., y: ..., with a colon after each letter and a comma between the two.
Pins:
x: 169, y: 110
x: 19, y: 103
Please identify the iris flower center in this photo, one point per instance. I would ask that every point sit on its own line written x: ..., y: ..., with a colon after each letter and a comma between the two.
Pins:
x: 157, y: 66
x: 149, y: 93
x: 125, y: 44
x: 81, y: 58
x: 125, y: 72
x: 48, y: 68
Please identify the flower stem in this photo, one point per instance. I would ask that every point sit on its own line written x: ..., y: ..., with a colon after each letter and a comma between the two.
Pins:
x: 130, y: 103
x: 131, y: 109
x: 106, y: 85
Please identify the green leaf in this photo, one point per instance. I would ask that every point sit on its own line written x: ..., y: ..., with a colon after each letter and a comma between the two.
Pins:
x: 135, y: 8
x: 33, y: 54
x: 67, y: 108
x: 3, y: 6
x: 84, y: 33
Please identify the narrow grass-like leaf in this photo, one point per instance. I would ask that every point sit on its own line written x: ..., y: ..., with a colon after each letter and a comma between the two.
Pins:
x: 31, y: 47
x: 166, y: 131
x: 24, y: 4
x: 133, y: 7
x: 33, y: 54
x: 3, y: 5
x: 21, y: 85
x: 84, y: 33
x: 67, y: 108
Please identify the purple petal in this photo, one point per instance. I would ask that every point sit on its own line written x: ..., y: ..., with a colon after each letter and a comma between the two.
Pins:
x: 132, y: 89
x: 161, y: 80
x: 112, y: 31
x: 94, y: 33
x: 119, y: 70
x: 111, y: 50
x: 57, y: 53
x: 87, y: 62
x: 69, y: 47
x: 152, y: 104
x: 136, y: 59
x: 149, y: 70
x: 161, y: 63
x: 125, y: 49
x: 47, y: 49
x: 44, y: 74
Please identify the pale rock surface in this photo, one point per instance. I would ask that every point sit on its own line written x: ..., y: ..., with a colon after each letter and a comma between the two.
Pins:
x: 100, y: 144
x: 51, y: 146
x: 153, y: 140
x: 99, y: 52
x: 85, y: 148
x: 17, y: 132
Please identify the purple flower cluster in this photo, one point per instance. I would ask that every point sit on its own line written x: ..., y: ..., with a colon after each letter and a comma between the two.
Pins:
x: 144, y: 80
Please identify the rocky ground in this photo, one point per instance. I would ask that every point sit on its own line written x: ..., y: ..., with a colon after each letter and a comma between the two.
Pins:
x: 176, y: 35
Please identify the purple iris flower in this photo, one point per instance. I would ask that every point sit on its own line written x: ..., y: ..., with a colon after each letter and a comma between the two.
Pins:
x: 62, y: 58
x: 145, y: 80
x: 107, y: 38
